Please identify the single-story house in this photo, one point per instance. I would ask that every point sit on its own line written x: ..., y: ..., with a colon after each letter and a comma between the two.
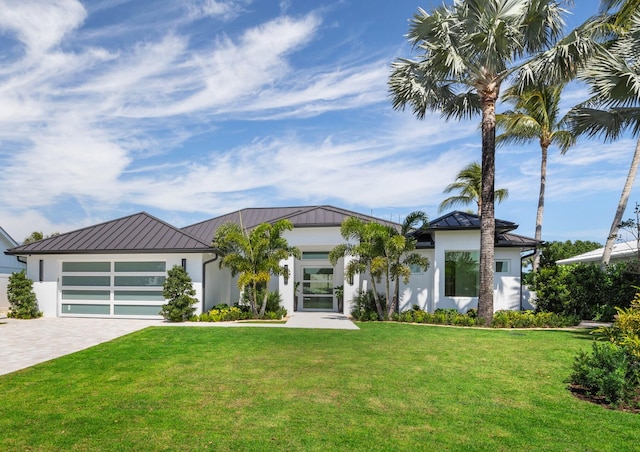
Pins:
x: 8, y: 264
x: 117, y: 268
x: 623, y: 251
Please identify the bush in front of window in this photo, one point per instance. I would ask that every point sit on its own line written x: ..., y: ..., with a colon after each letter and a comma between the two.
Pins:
x: 23, y: 303
x: 179, y: 292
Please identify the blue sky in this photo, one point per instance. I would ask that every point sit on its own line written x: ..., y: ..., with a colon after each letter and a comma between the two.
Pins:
x: 188, y: 109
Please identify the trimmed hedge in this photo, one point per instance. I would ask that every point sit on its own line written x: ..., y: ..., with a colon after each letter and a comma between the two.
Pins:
x: 532, y: 319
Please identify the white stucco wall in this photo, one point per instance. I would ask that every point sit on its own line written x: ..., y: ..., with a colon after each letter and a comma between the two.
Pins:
x: 506, y: 285
x: 419, y: 290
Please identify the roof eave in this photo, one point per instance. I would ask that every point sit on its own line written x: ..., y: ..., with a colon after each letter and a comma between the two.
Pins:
x: 118, y: 251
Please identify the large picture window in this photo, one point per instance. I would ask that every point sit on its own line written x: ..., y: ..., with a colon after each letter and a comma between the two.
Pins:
x: 461, y: 276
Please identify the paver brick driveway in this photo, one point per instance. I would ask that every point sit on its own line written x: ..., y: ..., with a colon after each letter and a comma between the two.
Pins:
x: 24, y: 343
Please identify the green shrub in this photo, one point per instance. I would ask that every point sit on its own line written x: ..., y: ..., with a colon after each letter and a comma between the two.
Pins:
x: 23, y: 303
x: 531, y: 319
x: 625, y: 331
x: 364, y: 306
x: 225, y: 313
x: 178, y: 291
x: 440, y: 317
x: 608, y: 371
x: 274, y: 303
x: 585, y: 290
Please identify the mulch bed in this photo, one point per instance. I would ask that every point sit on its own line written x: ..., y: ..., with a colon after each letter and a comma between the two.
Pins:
x: 582, y: 393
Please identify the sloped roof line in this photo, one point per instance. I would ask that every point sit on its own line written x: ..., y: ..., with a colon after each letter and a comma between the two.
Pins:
x: 620, y: 250
x: 115, y: 235
x: 465, y: 220
x: 252, y: 216
x: 6, y: 235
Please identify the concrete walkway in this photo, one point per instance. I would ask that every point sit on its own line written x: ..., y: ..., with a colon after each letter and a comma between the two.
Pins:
x: 323, y: 320
x: 24, y: 343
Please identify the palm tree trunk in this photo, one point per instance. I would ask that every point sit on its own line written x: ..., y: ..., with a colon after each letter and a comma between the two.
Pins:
x: 622, y: 206
x: 539, y: 214
x: 264, y: 301
x: 254, y: 300
x: 395, y: 303
x: 375, y: 298
x: 390, y: 300
x: 487, y: 213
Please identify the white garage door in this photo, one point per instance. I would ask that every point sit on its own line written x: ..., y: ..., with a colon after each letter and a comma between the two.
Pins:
x: 112, y: 288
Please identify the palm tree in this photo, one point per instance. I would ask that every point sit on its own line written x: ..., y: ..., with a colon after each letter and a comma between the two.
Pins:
x: 363, y: 246
x: 384, y: 252
x: 402, y: 254
x: 613, y: 75
x: 468, y: 184
x: 535, y: 117
x: 255, y: 256
x: 467, y: 50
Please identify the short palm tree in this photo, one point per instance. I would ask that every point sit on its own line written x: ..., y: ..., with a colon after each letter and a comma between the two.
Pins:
x: 403, y: 256
x: 382, y: 251
x: 535, y: 117
x: 254, y: 256
x: 468, y: 184
x: 363, y: 247
x: 466, y: 51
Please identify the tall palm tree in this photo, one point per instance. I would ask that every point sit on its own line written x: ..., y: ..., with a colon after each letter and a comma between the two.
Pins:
x: 255, y: 255
x: 535, y: 116
x: 613, y: 75
x: 468, y: 184
x: 467, y: 50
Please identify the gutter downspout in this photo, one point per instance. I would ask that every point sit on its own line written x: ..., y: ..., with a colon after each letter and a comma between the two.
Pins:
x: 204, y: 279
x: 523, y: 257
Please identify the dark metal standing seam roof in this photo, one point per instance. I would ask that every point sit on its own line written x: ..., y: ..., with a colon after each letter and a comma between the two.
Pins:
x: 464, y: 220
x: 138, y: 233
x: 457, y: 220
x: 306, y: 216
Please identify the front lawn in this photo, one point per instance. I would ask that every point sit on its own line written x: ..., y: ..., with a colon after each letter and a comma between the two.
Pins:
x: 386, y: 387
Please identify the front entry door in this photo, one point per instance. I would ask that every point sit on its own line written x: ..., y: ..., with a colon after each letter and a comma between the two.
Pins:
x: 317, y: 289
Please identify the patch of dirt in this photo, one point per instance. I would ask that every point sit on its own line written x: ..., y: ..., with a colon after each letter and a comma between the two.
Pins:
x: 582, y: 393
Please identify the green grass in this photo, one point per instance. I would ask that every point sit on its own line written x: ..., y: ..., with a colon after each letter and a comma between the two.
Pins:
x: 386, y: 387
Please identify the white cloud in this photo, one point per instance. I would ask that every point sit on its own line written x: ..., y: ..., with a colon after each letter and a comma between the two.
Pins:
x: 41, y: 24
x: 225, y: 10
x: 65, y: 159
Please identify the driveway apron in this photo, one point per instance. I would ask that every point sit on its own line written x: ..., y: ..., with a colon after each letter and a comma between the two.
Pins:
x: 24, y: 343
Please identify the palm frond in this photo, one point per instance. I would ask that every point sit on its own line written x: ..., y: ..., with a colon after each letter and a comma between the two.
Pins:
x: 610, y: 123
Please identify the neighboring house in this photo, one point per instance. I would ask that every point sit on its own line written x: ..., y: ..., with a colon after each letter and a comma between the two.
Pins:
x: 623, y: 251
x: 8, y: 264
x: 117, y: 268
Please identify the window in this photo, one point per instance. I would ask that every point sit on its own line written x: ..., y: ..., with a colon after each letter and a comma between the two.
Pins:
x: 315, y: 255
x: 461, y: 276
x: 417, y: 269
x: 502, y: 266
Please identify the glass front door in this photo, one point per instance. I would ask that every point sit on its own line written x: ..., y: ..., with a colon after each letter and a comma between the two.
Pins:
x: 317, y: 288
